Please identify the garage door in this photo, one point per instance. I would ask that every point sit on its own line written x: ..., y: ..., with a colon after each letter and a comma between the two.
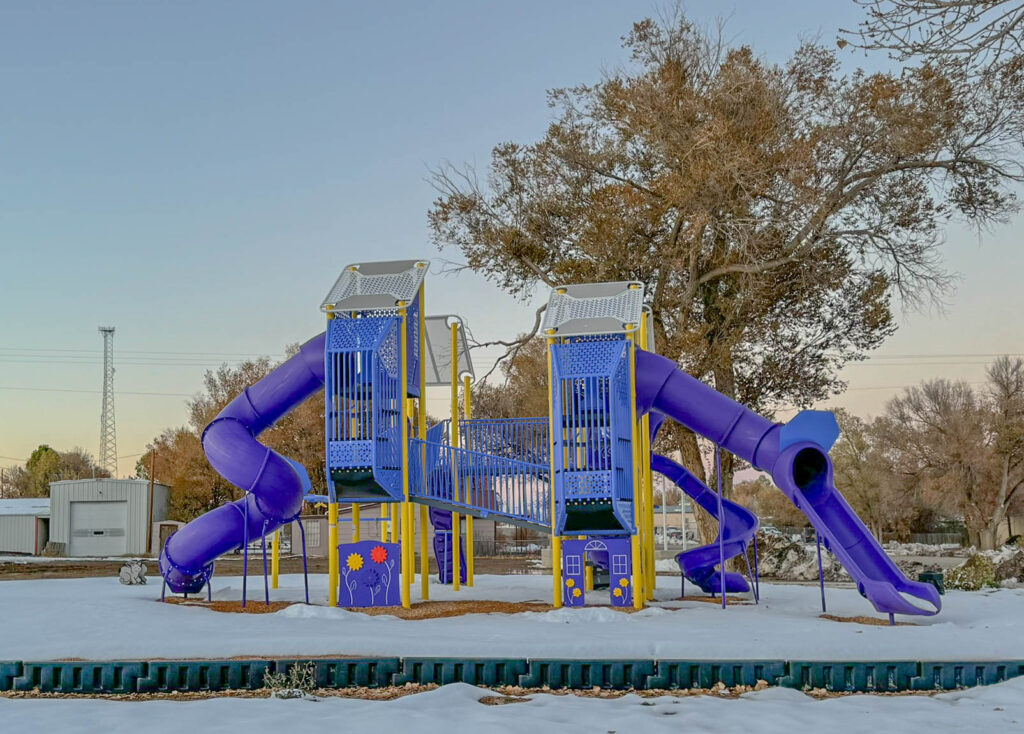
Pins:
x: 98, y: 528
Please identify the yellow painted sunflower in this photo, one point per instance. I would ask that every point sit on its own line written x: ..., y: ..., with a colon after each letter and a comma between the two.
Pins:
x: 623, y: 583
x: 617, y: 592
x: 354, y: 561
x: 577, y: 593
x: 570, y: 583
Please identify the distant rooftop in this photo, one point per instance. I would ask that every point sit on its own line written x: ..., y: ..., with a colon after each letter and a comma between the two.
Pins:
x: 38, y: 506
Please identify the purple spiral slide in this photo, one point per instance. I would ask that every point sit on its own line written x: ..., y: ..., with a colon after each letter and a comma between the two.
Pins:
x: 274, y: 484
x: 737, y: 529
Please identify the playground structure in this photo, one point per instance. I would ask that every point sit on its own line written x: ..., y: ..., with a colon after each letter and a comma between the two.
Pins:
x: 583, y: 473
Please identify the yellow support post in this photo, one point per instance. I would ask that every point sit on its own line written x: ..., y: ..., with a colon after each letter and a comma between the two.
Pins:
x: 275, y: 558
x: 408, y: 516
x: 639, y: 594
x: 385, y: 513
x: 409, y: 539
x: 403, y: 383
x: 588, y: 578
x: 332, y: 539
x: 467, y: 397
x: 456, y: 496
x: 652, y: 576
x: 421, y: 432
x: 556, y: 541
x: 332, y: 553
x: 648, y: 480
x: 424, y: 558
x: 356, y: 528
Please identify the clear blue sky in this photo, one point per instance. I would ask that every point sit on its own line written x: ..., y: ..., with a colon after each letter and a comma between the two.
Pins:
x: 196, y: 173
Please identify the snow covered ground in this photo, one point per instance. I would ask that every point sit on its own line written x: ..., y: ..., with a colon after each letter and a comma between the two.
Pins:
x: 992, y: 709
x: 99, y: 618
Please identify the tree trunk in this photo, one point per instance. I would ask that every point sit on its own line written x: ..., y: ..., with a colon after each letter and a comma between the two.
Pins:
x: 725, y: 383
x: 999, y: 513
x: 707, y: 527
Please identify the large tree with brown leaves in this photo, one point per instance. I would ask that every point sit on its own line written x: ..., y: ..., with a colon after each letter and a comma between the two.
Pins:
x: 772, y: 210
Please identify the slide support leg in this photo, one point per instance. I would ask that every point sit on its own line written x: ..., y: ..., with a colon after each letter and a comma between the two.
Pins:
x: 332, y: 551
x: 424, y: 558
x: 821, y: 573
x: 275, y: 559
x: 305, y: 565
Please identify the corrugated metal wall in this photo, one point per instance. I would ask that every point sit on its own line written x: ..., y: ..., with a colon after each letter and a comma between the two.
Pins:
x: 133, y: 491
x: 17, y: 533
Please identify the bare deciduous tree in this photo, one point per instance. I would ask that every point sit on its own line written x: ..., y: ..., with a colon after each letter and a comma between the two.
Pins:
x: 965, y: 446
x: 987, y: 32
x: 866, y: 475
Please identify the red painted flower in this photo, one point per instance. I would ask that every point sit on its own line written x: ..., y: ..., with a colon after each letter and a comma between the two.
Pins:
x: 379, y: 554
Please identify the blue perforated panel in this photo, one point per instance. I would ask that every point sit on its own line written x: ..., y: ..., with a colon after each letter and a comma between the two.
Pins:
x: 349, y: 454
x: 588, y: 357
x: 588, y: 484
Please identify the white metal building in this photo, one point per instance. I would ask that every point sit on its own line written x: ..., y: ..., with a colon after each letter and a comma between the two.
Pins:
x: 24, y: 525
x: 105, y: 517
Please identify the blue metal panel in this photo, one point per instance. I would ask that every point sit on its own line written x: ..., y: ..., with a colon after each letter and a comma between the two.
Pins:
x: 388, y: 410
x: 412, y: 330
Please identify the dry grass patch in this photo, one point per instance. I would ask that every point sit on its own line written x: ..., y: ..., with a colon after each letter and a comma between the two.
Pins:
x: 871, y: 621
x: 421, y: 610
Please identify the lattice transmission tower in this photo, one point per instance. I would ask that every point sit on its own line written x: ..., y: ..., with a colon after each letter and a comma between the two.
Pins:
x: 108, y: 434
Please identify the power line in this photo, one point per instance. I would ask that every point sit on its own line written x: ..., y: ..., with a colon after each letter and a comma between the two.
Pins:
x: 99, y: 352
x: 96, y: 392
x: 960, y: 354
x: 917, y: 364
x: 70, y: 359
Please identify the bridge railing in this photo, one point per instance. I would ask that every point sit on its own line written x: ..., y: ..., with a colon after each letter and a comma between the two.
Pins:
x: 482, y: 483
x: 524, y: 439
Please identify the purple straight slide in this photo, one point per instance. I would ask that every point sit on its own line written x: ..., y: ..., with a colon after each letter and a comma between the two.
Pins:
x: 274, y: 485
x: 801, y: 468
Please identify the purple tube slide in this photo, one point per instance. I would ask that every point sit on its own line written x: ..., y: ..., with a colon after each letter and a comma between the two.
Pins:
x: 441, y: 520
x: 802, y: 469
x: 737, y: 529
x: 274, y: 485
